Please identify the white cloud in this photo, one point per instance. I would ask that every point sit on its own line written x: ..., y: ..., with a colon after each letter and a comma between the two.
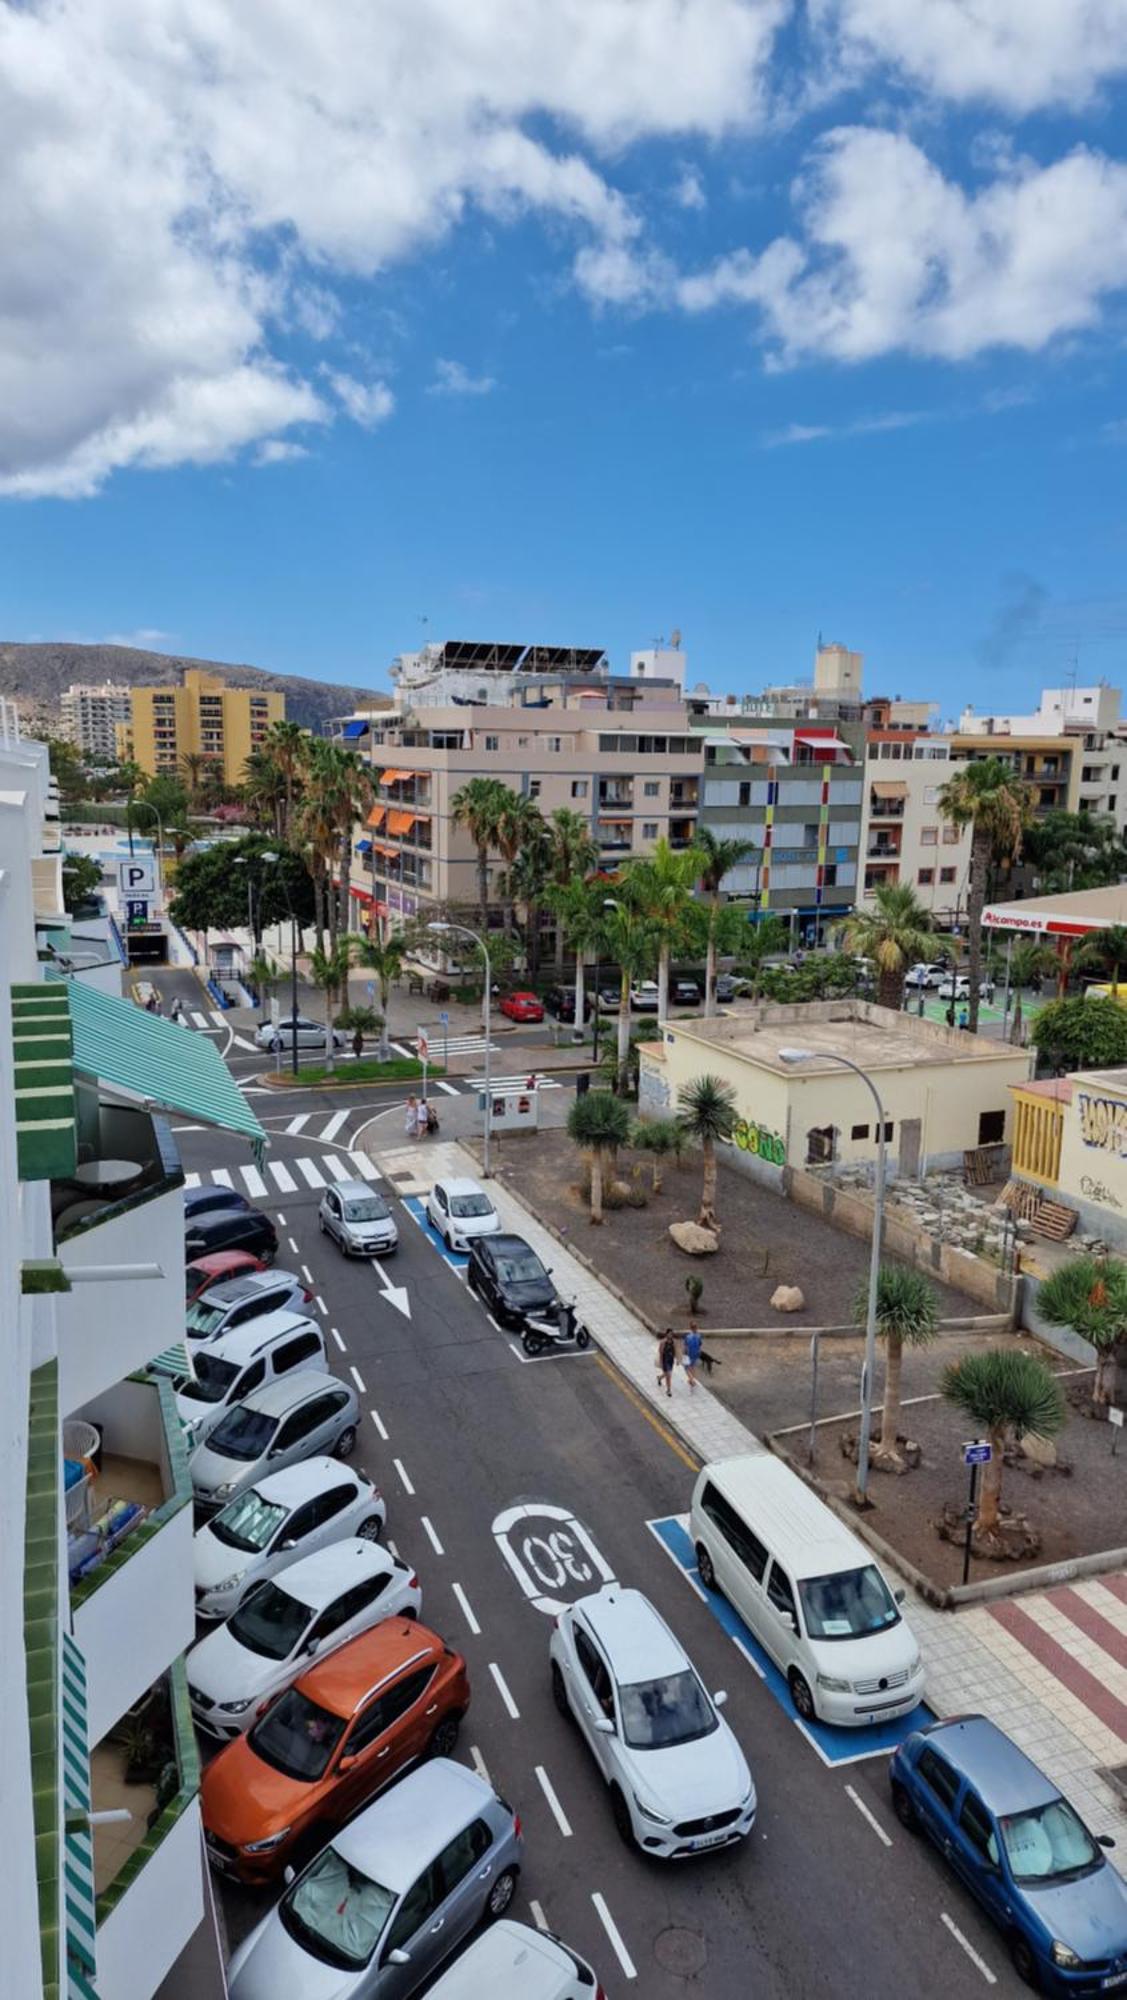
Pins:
x: 452, y: 378
x: 888, y: 420
x: 279, y: 451
x: 893, y: 256
x: 1020, y: 54
x: 689, y: 191
x: 147, y: 638
x: 367, y: 403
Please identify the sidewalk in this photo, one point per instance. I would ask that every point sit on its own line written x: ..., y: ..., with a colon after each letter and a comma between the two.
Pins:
x: 1049, y: 1667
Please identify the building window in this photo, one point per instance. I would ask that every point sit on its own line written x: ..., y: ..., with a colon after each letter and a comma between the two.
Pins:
x: 931, y: 793
x: 555, y: 742
x: 534, y: 788
x: 493, y: 742
x: 1115, y: 770
x: 991, y: 1127
x: 651, y: 788
x: 929, y: 836
x: 829, y: 875
x: 819, y: 1145
x: 745, y: 794
x: 649, y: 829
x: 859, y: 1132
x: 1111, y: 803
x: 925, y: 877
x: 579, y: 788
x: 947, y: 874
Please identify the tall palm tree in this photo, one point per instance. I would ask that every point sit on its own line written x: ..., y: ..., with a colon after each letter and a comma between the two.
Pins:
x: 663, y: 883
x: 715, y: 859
x: 287, y: 745
x: 600, y: 1124
x: 985, y: 795
x: 192, y: 765
x: 906, y: 1316
x: 529, y: 879
x: 706, y: 1112
x: 383, y: 957
x: 572, y: 854
x: 578, y: 905
x: 263, y: 788
x: 316, y: 830
x: 329, y: 971
x: 1108, y: 947
x: 1009, y: 1394
x: 478, y: 806
x: 520, y: 825
x: 1089, y: 1294
x: 338, y: 789
x: 627, y: 936
x: 894, y: 934
x: 763, y: 939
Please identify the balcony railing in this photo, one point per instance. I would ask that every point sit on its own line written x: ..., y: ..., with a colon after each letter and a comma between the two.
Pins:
x: 115, y: 1135
x: 168, y: 1791
x: 616, y: 795
x: 877, y: 852
x: 887, y: 809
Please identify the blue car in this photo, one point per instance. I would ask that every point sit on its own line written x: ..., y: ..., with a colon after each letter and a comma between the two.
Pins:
x: 1021, y: 1849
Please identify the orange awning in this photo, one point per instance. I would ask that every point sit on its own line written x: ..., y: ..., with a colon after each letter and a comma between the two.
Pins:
x: 400, y: 822
x: 376, y: 816
x: 381, y: 847
x: 393, y: 776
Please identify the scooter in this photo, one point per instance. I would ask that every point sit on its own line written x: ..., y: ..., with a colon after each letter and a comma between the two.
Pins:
x: 558, y: 1326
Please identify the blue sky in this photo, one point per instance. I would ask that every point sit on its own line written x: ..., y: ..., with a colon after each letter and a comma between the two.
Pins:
x: 572, y: 323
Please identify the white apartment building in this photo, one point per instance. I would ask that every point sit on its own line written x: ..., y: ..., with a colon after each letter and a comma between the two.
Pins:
x: 90, y: 716
x: 904, y: 837
x: 1090, y: 718
x: 96, y: 1584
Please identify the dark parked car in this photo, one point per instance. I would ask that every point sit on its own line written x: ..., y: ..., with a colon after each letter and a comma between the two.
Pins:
x: 726, y: 986
x: 686, y: 993
x: 560, y: 1002
x: 232, y: 1229
x: 1021, y: 1849
x: 509, y: 1278
x: 208, y: 1200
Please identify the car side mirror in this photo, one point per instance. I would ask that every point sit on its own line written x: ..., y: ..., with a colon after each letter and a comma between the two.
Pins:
x: 900, y: 1596
x: 290, y: 1542
x: 289, y: 1875
x: 719, y: 1698
x: 604, y: 1725
x: 399, y: 1957
x: 1105, y: 1840
x: 346, y: 1763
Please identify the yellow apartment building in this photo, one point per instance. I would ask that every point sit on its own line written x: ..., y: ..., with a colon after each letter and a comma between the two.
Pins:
x: 204, y: 716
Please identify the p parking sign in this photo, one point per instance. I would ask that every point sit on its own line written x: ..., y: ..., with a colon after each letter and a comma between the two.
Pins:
x: 135, y: 878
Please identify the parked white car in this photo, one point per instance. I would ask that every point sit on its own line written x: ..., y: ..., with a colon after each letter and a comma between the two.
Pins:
x: 925, y: 975
x: 273, y: 1525
x: 276, y: 1035
x: 957, y: 987
x: 678, y: 1780
x: 460, y: 1210
x: 644, y: 997
x: 512, y: 1961
x: 228, y: 1370
x: 286, y: 1623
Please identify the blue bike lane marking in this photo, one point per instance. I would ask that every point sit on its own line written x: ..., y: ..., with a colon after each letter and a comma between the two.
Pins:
x: 833, y: 1746
x: 416, y: 1208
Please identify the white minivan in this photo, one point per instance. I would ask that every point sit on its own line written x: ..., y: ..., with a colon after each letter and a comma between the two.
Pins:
x: 809, y: 1591
x: 229, y: 1369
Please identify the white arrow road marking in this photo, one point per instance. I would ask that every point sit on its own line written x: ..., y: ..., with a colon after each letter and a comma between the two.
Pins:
x: 396, y: 1295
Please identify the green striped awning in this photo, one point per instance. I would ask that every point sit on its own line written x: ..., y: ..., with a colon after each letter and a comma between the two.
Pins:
x: 172, y: 1361
x: 78, y: 1844
x: 44, y: 1073
x: 157, y: 1063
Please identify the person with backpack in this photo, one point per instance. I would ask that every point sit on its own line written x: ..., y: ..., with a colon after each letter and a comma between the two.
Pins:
x: 667, y: 1360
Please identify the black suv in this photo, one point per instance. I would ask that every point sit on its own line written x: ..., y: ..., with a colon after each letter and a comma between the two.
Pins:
x: 560, y: 1002
x: 231, y: 1229
x: 509, y: 1278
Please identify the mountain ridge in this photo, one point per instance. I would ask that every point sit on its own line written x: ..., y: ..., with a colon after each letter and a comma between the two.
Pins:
x: 35, y: 674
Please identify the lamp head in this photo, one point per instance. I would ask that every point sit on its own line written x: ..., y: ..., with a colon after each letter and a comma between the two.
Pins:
x: 790, y: 1055
x: 440, y: 927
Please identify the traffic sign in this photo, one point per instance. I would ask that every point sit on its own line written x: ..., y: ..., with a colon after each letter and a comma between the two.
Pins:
x: 137, y: 911
x: 444, y: 1018
x: 978, y: 1453
x: 422, y: 1046
x: 136, y: 877
x: 1115, y: 1416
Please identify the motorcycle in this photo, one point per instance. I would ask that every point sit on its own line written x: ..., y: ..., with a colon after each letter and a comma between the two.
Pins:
x: 556, y: 1326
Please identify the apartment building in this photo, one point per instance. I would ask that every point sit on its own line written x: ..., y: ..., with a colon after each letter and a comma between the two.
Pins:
x: 904, y: 838
x: 90, y: 716
x: 107, y: 1892
x: 203, y: 717
x: 795, y: 792
x: 1082, y: 723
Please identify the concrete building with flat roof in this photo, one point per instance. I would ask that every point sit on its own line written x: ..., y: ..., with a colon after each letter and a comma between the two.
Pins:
x: 205, y: 717
x: 90, y: 717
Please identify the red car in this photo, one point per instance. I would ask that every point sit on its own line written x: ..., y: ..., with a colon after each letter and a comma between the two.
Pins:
x: 205, y: 1271
x: 522, y: 1007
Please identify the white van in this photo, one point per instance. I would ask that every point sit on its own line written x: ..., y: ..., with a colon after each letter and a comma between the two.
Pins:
x: 809, y: 1591
x: 226, y: 1370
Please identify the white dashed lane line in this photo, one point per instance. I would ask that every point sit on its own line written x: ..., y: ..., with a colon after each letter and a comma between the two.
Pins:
x: 294, y: 1248
x: 615, y: 1936
x: 467, y: 1613
x: 537, y: 1914
x: 321, y: 1306
x: 871, y: 1818
x: 979, y: 1963
x: 503, y: 1691
x: 479, y: 1764
x: 307, y: 1274
x: 402, y: 1471
x: 358, y: 1379
x: 432, y: 1538
x: 558, y: 1813
x: 339, y: 1341
x: 376, y: 1418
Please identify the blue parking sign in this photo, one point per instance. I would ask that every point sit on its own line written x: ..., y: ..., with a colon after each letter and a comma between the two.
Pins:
x: 977, y: 1453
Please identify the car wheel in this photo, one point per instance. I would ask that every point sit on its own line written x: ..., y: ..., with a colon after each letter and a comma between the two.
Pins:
x: 321, y: 1224
x: 501, y: 1895
x: 904, y: 1809
x: 705, y: 1570
x: 620, y: 1812
x: 370, y: 1530
x: 801, y: 1696
x: 346, y: 1443
x: 559, y: 1694
x: 444, y: 1737
x: 1025, y: 1965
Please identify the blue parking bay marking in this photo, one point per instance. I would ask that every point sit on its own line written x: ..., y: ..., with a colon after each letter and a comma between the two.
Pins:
x: 833, y: 1745
x: 456, y: 1259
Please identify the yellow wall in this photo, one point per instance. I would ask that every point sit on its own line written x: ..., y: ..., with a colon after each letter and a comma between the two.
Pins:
x: 204, y: 716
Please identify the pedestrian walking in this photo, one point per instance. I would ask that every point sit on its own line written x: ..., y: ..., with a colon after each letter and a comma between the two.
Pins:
x: 666, y: 1360
x: 964, y: 1018
x: 411, y: 1118
x: 691, y: 1348
x: 422, y: 1118
x: 176, y: 1011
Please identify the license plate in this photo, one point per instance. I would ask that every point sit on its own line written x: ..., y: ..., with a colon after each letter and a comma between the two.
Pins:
x: 711, y: 1839
x: 1114, y: 1979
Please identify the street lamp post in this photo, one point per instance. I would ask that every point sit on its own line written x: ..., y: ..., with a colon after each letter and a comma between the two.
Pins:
x: 276, y: 859
x: 794, y: 1056
x: 465, y: 931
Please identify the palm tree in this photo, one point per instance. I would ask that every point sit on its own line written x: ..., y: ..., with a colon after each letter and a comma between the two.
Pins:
x: 263, y: 789
x: 1089, y: 1294
x: 1009, y: 1394
x: 894, y: 934
x: 627, y: 936
x: 316, y: 830
x: 528, y: 880
x: 578, y: 905
x: 715, y: 859
x: 478, y: 807
x: 906, y: 1315
x: 985, y: 795
x: 663, y: 883
x: 520, y: 826
x: 287, y: 745
x: 329, y: 972
x: 763, y: 939
x: 193, y: 764
x: 600, y: 1123
x: 1107, y: 947
x: 662, y: 1139
x: 384, y: 957
x: 572, y: 854
x: 706, y: 1112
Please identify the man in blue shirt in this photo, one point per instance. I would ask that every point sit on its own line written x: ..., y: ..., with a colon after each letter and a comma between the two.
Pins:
x: 691, y: 1352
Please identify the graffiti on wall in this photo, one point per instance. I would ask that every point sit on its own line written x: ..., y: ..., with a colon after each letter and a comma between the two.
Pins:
x: 753, y: 1138
x: 1103, y: 1123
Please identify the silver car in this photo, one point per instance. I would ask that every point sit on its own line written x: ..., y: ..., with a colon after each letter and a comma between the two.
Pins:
x: 234, y: 1301
x: 275, y: 1524
x: 358, y: 1220
x: 301, y: 1416
x: 277, y: 1035
x: 389, y: 1898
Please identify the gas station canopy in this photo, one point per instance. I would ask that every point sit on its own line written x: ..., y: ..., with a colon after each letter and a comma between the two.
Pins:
x: 1072, y: 915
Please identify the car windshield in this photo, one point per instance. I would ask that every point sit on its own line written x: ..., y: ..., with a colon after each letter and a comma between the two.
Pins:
x: 194, y: 1282
x: 243, y: 1434
x: 370, y: 1209
x: 212, y: 1379
x: 203, y: 1319
x: 463, y: 1205
x: 849, y: 1605
x: 522, y: 1267
x: 336, y: 1913
x: 296, y: 1736
x: 249, y: 1522
x: 1048, y: 1844
x: 270, y: 1622
x: 658, y: 1713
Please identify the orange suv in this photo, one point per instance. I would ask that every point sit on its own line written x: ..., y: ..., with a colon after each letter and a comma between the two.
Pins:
x: 326, y: 1745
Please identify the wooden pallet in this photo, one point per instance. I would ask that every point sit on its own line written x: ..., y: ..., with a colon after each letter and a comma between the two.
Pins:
x: 1054, y: 1220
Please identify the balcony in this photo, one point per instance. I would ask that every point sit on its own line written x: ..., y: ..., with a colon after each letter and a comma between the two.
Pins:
x: 883, y: 850
x: 614, y: 836
x: 148, y: 1871
x: 129, y: 1545
x: 887, y: 809
x: 616, y: 792
x: 684, y: 794
x: 682, y: 832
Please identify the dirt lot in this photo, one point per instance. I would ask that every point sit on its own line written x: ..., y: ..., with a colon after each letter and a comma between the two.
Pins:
x: 1078, y: 1508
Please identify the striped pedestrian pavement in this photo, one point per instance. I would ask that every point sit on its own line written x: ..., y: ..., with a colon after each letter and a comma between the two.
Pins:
x: 278, y: 1176
x: 516, y: 1082
x: 455, y: 1045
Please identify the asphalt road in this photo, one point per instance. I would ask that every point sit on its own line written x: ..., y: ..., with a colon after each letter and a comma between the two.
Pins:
x: 828, y: 1896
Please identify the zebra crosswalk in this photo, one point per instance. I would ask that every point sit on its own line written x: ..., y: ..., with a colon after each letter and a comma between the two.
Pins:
x: 454, y: 1045
x: 517, y: 1082
x: 277, y: 1178
x: 213, y: 1018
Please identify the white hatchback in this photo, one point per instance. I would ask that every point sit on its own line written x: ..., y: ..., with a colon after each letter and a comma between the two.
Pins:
x: 273, y: 1525
x: 460, y: 1210
x: 285, y: 1624
x: 679, y: 1783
